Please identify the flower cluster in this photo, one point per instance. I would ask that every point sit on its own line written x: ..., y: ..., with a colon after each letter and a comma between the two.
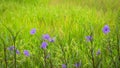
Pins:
x: 46, y: 37
x: 11, y: 48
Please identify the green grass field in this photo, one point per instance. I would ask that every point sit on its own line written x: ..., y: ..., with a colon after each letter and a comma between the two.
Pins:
x: 69, y: 22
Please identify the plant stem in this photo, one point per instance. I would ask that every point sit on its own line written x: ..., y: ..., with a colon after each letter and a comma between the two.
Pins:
x: 92, y: 51
x: 45, y: 62
x: 5, y: 56
x: 118, y: 50
x: 14, y: 40
x: 51, y: 65
x: 93, y: 61
x: 5, y: 59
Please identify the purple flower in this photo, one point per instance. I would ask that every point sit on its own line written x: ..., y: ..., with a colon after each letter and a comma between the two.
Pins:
x: 64, y: 66
x: 17, y: 51
x: 11, y: 48
x: 51, y: 39
x: 46, y: 37
x: 106, y: 29
x: 44, y: 45
x: 78, y: 64
x: 98, y: 52
x: 89, y: 38
x: 33, y: 31
x: 26, y: 53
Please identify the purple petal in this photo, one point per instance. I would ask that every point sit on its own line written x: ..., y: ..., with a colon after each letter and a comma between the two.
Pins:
x: 89, y: 38
x: 11, y: 48
x: 33, y: 31
x: 46, y: 37
x: 51, y: 39
x: 26, y: 53
x: 44, y: 45
x: 106, y: 29
x: 78, y: 64
x: 17, y: 51
x: 64, y: 66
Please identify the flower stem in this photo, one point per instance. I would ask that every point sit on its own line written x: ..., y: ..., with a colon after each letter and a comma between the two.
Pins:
x: 93, y: 61
x: 14, y: 40
x: 92, y: 51
x: 5, y: 57
x: 45, y: 62
x: 118, y: 49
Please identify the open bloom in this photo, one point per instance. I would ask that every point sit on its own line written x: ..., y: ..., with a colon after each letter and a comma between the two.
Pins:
x: 46, y: 37
x: 11, y: 48
x: 64, y: 66
x: 33, y: 31
x: 51, y: 39
x: 89, y: 38
x: 26, y: 53
x: 44, y: 45
x: 106, y: 29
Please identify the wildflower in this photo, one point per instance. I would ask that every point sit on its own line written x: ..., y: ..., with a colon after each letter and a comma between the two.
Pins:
x: 26, y: 53
x: 78, y: 64
x: 46, y: 37
x: 64, y: 66
x: 11, y: 48
x: 106, y: 29
x: 51, y: 39
x: 17, y: 51
x: 33, y: 31
x: 44, y: 45
x: 98, y: 52
x: 89, y: 38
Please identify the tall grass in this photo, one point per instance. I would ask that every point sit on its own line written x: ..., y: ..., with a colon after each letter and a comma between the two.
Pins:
x: 69, y: 22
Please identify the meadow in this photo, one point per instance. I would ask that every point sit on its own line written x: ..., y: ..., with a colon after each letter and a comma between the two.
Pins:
x: 59, y: 34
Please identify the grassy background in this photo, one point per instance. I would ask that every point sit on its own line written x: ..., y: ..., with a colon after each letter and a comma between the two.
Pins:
x: 67, y: 20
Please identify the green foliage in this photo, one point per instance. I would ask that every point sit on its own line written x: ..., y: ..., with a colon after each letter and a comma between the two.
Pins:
x: 70, y: 21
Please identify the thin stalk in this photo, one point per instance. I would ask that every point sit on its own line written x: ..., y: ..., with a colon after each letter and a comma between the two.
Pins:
x: 14, y: 43
x: 118, y: 45
x: 93, y: 59
x: 118, y: 49
x: 45, y: 62
x: 14, y: 51
x: 118, y: 40
x: 5, y: 57
x: 14, y: 40
x: 92, y: 51
x: 101, y: 60
x: 92, y: 54
x: 51, y: 65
